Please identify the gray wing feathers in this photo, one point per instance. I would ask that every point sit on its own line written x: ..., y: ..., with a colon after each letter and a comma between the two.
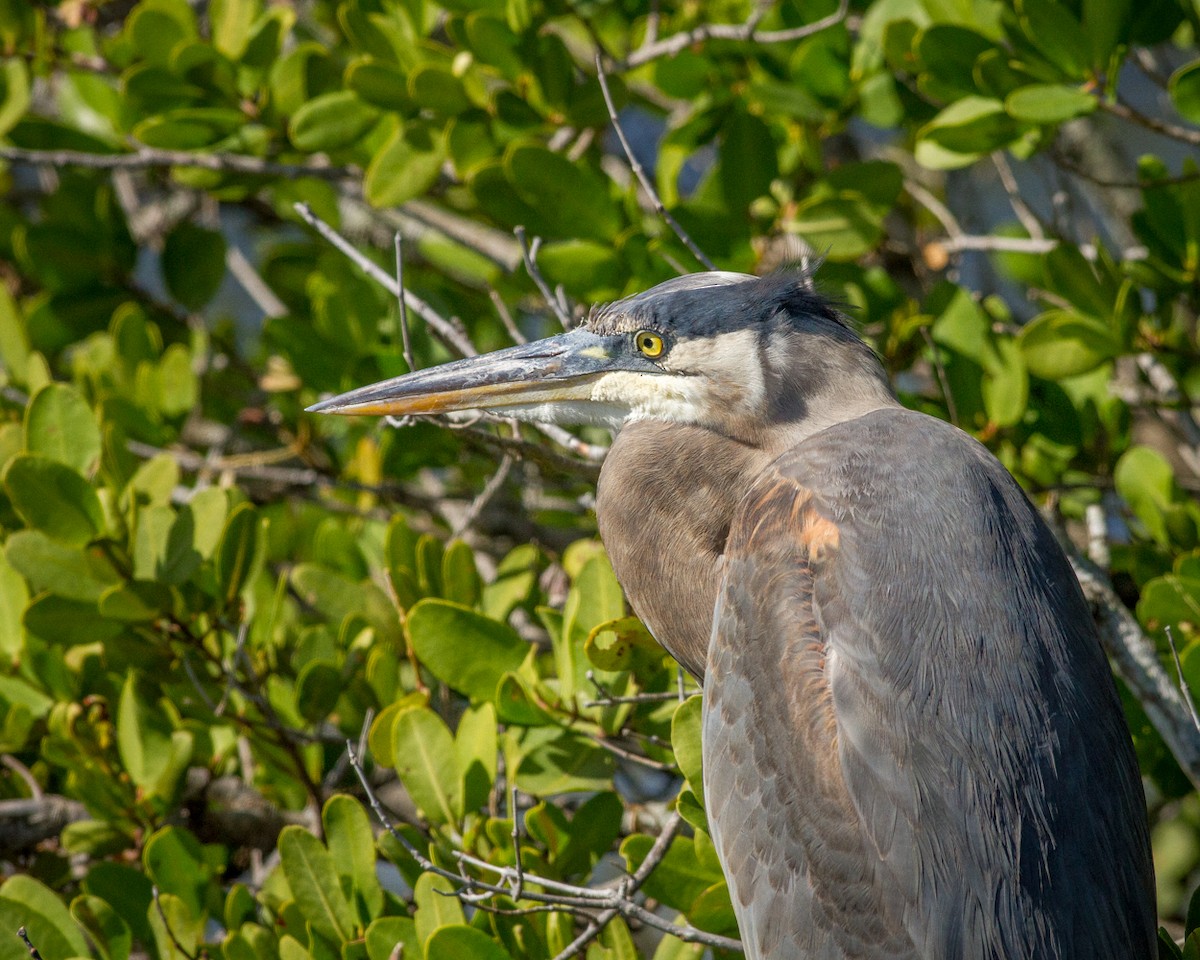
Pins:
x: 914, y: 746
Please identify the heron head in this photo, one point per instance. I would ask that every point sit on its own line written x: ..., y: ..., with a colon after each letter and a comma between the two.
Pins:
x: 726, y: 351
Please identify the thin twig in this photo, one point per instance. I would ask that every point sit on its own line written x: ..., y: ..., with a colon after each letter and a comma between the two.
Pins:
x: 506, y: 317
x: 1183, y: 684
x: 1071, y: 166
x: 406, y: 344
x: 529, y: 255
x: 442, y: 328
x: 1029, y: 220
x: 1136, y: 660
x: 148, y: 158
x: 562, y: 896
x: 33, y: 951
x: 640, y: 173
x: 940, y: 369
x: 748, y: 30
x: 162, y: 915
x: 1171, y: 130
x: 514, y: 812
x: 491, y: 488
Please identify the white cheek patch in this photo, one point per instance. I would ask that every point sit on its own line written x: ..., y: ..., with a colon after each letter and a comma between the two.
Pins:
x: 579, y: 412
x: 652, y: 396
x: 731, y: 365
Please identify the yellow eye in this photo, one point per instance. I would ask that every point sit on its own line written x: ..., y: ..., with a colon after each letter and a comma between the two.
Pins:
x: 649, y: 344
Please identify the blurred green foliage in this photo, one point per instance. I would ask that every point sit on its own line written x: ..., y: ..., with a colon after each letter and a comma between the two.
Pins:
x: 204, y: 592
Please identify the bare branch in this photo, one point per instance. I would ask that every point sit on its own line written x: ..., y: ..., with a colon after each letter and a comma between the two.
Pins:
x: 1136, y: 660
x: 149, y: 158
x: 610, y: 901
x: 1183, y: 684
x: 506, y: 316
x: 1172, y: 130
x: 442, y: 328
x: 162, y: 915
x: 529, y: 255
x: 33, y: 951
x: 1029, y: 220
x: 252, y: 282
x: 677, y: 43
x: 940, y: 369
x: 491, y: 488
x: 640, y: 173
x: 406, y: 344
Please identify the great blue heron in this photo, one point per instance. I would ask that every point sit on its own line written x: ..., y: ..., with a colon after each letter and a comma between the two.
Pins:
x: 913, y: 746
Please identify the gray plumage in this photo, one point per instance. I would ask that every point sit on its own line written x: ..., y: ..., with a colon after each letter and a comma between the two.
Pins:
x: 913, y: 746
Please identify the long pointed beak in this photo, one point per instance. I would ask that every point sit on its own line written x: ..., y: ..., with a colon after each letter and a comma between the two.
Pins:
x: 555, y: 370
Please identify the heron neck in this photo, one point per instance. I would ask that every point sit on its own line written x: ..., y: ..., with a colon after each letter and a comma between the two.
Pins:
x: 665, y: 501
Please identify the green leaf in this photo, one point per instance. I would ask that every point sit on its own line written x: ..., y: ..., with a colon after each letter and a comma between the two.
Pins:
x: 595, y: 598
x: 460, y: 942
x: 1005, y: 385
x: 127, y: 890
x: 1184, y: 87
x: 1106, y: 23
x: 843, y: 227
x: 143, y: 732
x: 239, y: 554
x: 516, y: 702
x: 1048, y: 103
x: 59, y: 425
x: 53, y: 498
x: 515, y: 578
x: 1145, y: 480
x: 14, y: 595
x: 593, y: 829
x: 748, y: 161
x: 318, y: 687
x: 380, y: 84
x: 679, y: 879
x: 1057, y: 34
x: 337, y: 597
x: 55, y: 567
x: 14, y: 341
x: 386, y: 933
x: 437, y: 906
x: 622, y: 644
x: 231, y: 23
x: 109, y: 933
x: 1171, y: 601
x: 66, y: 622
x: 24, y: 902
x: 95, y: 838
x: 175, y: 861
x: 1061, y: 343
x: 562, y: 762
x: 464, y: 649
x: 14, y: 92
x: 177, y: 929
x: 406, y: 166
x: 193, y: 262
x: 423, y: 755
x: 312, y: 877
x: 190, y: 128
x: 475, y: 750
x: 435, y: 88
x: 352, y: 847
x: 685, y: 741
x: 971, y: 126
x: 571, y: 201
x: 460, y: 579
x: 331, y: 121
x: 137, y: 601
